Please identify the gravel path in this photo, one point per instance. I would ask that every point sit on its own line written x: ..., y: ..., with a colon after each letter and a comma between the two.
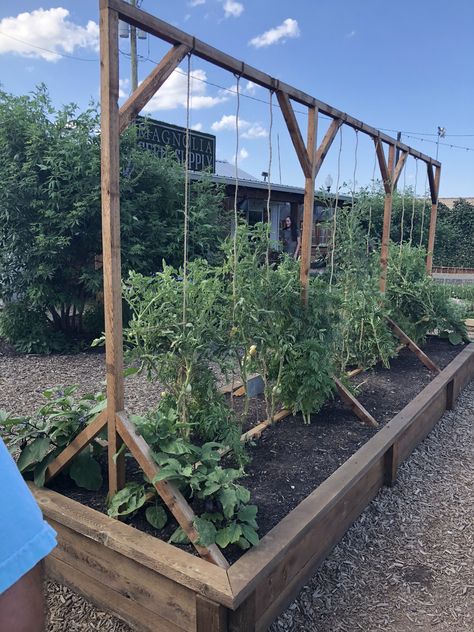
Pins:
x: 406, y: 564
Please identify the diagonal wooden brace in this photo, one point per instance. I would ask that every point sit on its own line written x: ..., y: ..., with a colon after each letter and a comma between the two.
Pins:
x: 354, y: 404
x: 411, y: 344
x: 168, y: 492
x: 82, y: 440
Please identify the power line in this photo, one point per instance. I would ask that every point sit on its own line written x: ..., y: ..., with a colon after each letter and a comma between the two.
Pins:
x: 47, y: 50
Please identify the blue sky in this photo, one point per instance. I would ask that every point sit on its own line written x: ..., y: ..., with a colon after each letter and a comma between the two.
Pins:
x: 404, y: 66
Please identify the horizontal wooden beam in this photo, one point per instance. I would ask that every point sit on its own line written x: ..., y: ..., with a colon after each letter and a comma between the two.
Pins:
x: 151, y: 24
x: 295, y: 133
x: 148, y: 88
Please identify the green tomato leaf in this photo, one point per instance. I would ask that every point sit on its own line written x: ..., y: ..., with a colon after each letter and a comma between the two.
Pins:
x: 206, y: 531
x: 179, y: 537
x: 156, y: 516
x: 177, y: 446
x: 33, y: 453
x: 243, y: 494
x: 85, y: 471
x: 128, y: 500
x: 166, y: 473
x: 250, y: 534
x: 230, y: 534
x: 248, y: 515
x: 455, y: 338
x: 228, y: 499
x: 243, y: 544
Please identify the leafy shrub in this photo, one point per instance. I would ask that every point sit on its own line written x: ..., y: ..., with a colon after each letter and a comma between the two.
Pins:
x: 46, y: 433
x: 29, y: 330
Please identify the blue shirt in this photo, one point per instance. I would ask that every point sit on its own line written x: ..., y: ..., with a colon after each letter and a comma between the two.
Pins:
x: 25, y: 538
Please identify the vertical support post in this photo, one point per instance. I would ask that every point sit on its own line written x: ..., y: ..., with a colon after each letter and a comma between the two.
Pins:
x: 391, y: 465
x: 387, y: 217
x: 306, y: 238
x: 210, y: 616
x: 450, y: 395
x: 434, y: 188
x: 109, y: 82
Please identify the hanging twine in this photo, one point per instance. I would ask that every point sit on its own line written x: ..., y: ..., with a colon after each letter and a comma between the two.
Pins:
x: 269, y: 194
x: 336, y: 200
x: 236, y: 215
x: 186, y: 196
x: 370, y: 205
x: 403, y: 210
x: 413, y: 204
x: 355, y: 170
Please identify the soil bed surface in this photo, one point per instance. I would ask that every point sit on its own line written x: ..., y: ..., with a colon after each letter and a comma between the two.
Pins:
x: 291, y: 458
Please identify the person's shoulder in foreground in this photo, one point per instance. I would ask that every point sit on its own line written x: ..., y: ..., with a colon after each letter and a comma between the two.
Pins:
x: 25, y: 539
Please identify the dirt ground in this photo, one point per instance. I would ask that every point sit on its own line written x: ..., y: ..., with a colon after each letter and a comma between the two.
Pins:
x: 406, y: 564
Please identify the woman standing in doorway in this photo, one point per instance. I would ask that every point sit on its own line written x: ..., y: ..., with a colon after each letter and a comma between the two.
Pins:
x: 290, y: 237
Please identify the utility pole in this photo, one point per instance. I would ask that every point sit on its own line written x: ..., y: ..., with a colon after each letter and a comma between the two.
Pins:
x: 441, y: 134
x: 133, y: 54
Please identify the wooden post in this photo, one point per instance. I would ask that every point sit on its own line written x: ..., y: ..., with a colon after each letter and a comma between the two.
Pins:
x: 210, y: 616
x: 307, y: 234
x: 391, y: 465
x: 387, y: 173
x: 434, y: 190
x: 109, y: 82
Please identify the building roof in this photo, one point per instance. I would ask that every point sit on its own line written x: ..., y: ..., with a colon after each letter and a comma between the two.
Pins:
x: 449, y: 202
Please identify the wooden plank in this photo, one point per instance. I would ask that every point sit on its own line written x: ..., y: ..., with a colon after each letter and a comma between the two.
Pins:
x: 411, y: 344
x: 146, y: 588
x: 173, y: 35
x: 145, y: 91
x: 434, y: 212
x: 244, y: 617
x: 109, y: 148
x: 168, y: 492
x: 387, y: 219
x: 450, y: 395
x: 295, y: 133
x: 354, y: 404
x: 257, y: 430
x: 391, y: 465
x: 386, y: 176
x: 431, y: 182
x: 106, y: 598
x: 168, y: 560
x: 278, y: 589
x: 83, y: 439
x: 210, y: 616
x: 399, y: 167
x: 308, y: 205
x: 326, y: 144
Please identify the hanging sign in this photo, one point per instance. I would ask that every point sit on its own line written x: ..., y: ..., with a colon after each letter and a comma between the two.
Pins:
x: 157, y: 136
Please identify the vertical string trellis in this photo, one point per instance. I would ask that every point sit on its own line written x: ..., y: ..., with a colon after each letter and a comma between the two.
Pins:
x: 372, y: 193
x: 336, y: 201
x: 402, y: 219
x: 186, y: 194
x: 236, y: 192
x: 269, y: 192
x: 413, y: 204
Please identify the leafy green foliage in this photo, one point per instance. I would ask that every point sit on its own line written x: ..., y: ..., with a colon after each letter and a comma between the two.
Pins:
x: 50, y: 227
x: 43, y: 435
x: 417, y: 303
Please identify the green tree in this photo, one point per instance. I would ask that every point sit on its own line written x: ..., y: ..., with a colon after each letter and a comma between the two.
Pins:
x: 50, y: 224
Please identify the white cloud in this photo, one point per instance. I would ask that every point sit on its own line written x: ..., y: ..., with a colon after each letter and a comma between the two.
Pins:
x: 242, y: 155
x: 46, y: 28
x: 173, y: 93
x: 350, y: 35
x: 233, y: 9
x: 251, y: 87
x: 124, y: 88
x: 246, y: 129
x: 197, y: 127
x: 288, y: 29
x: 196, y: 3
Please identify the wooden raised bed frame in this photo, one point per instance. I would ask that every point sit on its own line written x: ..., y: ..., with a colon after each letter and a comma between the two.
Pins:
x: 157, y: 587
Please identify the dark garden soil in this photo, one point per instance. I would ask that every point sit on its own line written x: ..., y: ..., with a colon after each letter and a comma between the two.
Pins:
x: 291, y: 459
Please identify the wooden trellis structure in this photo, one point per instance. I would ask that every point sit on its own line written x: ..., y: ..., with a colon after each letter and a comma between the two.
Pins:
x: 311, y: 156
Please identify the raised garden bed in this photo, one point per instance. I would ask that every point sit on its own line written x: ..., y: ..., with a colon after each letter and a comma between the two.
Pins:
x: 156, y: 586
